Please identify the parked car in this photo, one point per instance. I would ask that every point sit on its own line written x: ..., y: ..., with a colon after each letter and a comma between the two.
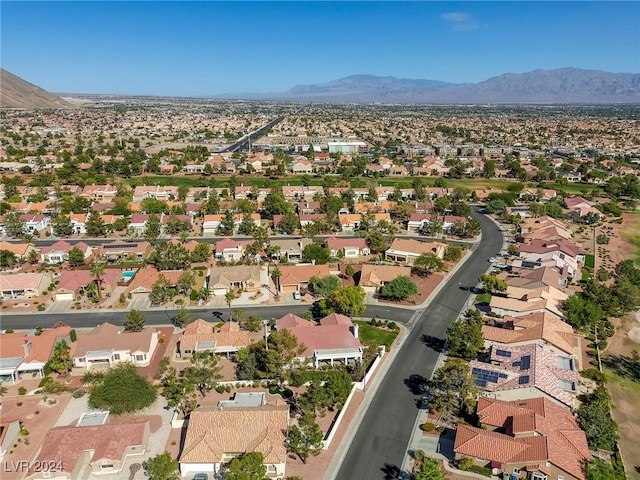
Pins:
x: 492, y: 259
x: 201, y: 476
x: 296, y: 295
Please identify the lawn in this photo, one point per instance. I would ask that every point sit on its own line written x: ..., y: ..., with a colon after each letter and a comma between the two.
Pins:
x: 370, y: 334
x: 483, y: 298
x: 589, y: 260
x: 631, y: 233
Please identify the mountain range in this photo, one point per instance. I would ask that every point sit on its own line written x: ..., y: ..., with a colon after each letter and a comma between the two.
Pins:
x: 561, y: 86
x: 18, y: 93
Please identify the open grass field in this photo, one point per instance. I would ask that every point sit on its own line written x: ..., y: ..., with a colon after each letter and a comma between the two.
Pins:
x: 379, y: 336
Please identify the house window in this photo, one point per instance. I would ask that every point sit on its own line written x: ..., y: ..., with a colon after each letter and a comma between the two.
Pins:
x: 538, y: 476
x: 187, y: 352
x: 516, y: 470
x: 116, y: 356
x: 560, y: 477
x: 106, y: 466
x: 140, y: 358
x: 82, y: 360
x: 562, y: 256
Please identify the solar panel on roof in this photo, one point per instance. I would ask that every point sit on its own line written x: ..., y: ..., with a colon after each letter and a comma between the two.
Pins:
x: 503, y: 353
x: 121, y: 245
x: 523, y: 380
x: 525, y: 362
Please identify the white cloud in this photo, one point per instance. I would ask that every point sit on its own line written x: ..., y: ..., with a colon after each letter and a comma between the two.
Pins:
x: 460, y: 21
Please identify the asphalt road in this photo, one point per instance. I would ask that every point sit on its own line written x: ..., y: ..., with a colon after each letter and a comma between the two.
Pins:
x: 79, y: 319
x: 379, y: 446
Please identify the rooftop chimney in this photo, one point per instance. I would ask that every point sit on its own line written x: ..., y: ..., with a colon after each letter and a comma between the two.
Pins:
x: 27, y: 348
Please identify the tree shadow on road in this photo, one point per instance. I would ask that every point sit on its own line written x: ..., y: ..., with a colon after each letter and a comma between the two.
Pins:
x: 416, y: 384
x: 391, y: 472
x: 435, y: 343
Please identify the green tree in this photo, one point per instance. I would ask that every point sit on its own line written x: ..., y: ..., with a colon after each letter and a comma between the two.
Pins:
x: 464, y: 336
x: 201, y: 253
x: 349, y: 271
x: 306, y: 438
x: 316, y: 253
x: 400, y: 288
x: 203, y: 371
x: 162, y: 467
x: 186, y: 281
x: 123, y: 390
x: 429, y: 469
x: 62, y: 225
x: 289, y: 223
x: 325, y: 285
x: 169, y: 256
x: 135, y: 321
x: 427, y: 263
x: 376, y: 241
x: 453, y: 253
x: 178, y: 393
x: 598, y: 469
x: 346, y: 300
x: 491, y: 283
x: 227, y: 224
x: 61, y: 361
x: 182, y: 317
x: 176, y: 225
x: 247, y: 225
x: 7, y: 259
x: 228, y: 298
x: 97, y: 270
x: 581, y: 313
x: 76, y: 257
x: 594, y: 417
x: 95, y: 225
x: 452, y: 389
x: 160, y: 290
x: 13, y: 224
x: 248, y: 466
x: 152, y: 228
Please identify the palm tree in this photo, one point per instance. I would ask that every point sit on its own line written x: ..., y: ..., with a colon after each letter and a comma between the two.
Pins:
x: 230, y: 297
x: 97, y: 270
x: 204, y: 293
x: 276, y: 274
x: 3, y: 390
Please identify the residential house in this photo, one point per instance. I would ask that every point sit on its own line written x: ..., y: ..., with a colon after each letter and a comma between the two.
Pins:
x: 528, y: 370
x: 517, y: 301
x: 229, y: 249
x: 407, y: 250
x: 23, y: 285
x: 534, y: 277
x: 334, y: 339
x: 215, y: 436
x: 418, y: 222
x: 350, y: 221
x: 72, y: 282
x: 202, y: 336
x: 374, y: 277
x: 99, y: 193
x: 561, y: 254
x: 107, y: 345
x: 525, y: 438
x: 290, y: 249
x: 119, y: 250
x: 158, y: 192
x: 347, y: 247
x: 144, y: 279
x: 20, y: 250
x: 9, y: 433
x: 59, y: 251
x: 578, y: 207
x: 301, y: 166
x: 295, y: 278
x: 539, y: 327
x: 245, y: 277
x: 24, y: 356
x: 81, y: 451
x: 211, y: 223
x: 448, y: 222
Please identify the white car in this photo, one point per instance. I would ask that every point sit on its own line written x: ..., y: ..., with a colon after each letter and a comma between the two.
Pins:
x: 492, y: 259
x: 296, y: 295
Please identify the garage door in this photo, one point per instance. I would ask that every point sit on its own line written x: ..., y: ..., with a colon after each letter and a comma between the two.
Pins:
x: 289, y: 288
x: 64, y: 296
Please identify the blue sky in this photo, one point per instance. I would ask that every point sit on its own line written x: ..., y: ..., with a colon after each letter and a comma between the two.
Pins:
x: 208, y: 48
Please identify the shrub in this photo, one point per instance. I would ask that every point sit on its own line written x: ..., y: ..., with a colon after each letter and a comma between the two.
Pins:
x: 22, y: 391
x: 193, y: 296
x: 428, y: 427
x: 593, y: 374
x: 220, y: 388
x: 44, y: 382
x: 77, y: 393
x: 592, y: 353
x: 24, y: 432
x: 161, y: 340
x: 41, y: 308
x: 9, y: 330
x: 19, y: 404
x: 73, y: 335
x: 419, y: 454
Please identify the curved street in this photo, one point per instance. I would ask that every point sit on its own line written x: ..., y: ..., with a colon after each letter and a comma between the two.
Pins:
x: 379, y: 446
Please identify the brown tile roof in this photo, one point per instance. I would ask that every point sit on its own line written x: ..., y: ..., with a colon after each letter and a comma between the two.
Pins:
x: 228, y: 336
x: 11, y: 344
x: 532, y: 327
x: 72, y: 280
x: 21, y: 281
x: 19, y: 249
x: 108, y: 336
x: 212, y: 433
x: 565, y: 444
x: 375, y: 275
x: 296, y: 274
x: 65, y: 445
x: 415, y: 247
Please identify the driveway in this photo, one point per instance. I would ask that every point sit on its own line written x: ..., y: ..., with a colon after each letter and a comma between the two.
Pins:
x: 60, y: 306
